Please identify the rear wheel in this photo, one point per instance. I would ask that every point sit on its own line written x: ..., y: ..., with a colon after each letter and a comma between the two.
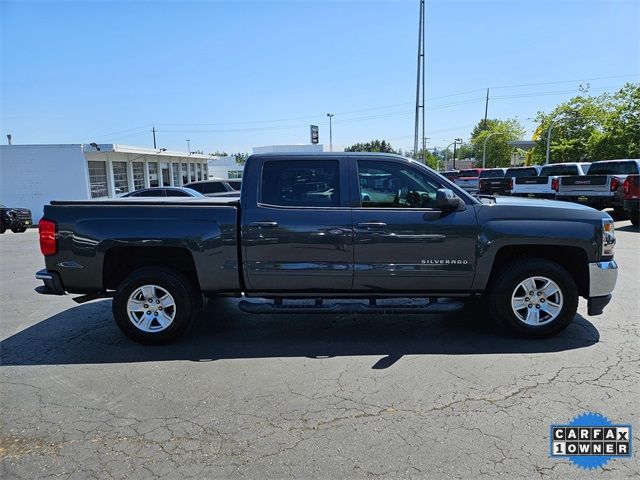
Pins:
x: 533, y: 297
x: 19, y: 230
x: 154, y: 305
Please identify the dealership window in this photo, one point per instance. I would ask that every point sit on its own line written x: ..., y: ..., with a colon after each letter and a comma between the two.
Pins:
x: 120, y: 180
x: 312, y: 183
x: 153, y: 174
x: 184, y: 174
x: 199, y: 170
x: 98, y: 179
x: 138, y: 175
x: 175, y: 174
x: 235, y: 174
x: 164, y: 170
x: 205, y: 171
x: 193, y: 171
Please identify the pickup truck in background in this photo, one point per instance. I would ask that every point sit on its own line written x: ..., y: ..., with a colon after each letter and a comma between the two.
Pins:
x: 487, y: 180
x: 469, y: 179
x: 545, y: 185
x: 631, y: 188
x: 602, y: 187
x: 15, y: 219
x: 503, y: 186
x: 325, y: 227
x: 451, y: 174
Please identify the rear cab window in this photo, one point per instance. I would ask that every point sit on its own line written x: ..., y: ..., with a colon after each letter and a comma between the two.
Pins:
x: 557, y: 170
x: 492, y: 174
x: 613, y: 168
x: 294, y: 183
x: 469, y: 173
x: 521, y: 172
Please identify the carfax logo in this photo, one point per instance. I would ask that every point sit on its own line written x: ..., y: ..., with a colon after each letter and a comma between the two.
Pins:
x: 590, y: 440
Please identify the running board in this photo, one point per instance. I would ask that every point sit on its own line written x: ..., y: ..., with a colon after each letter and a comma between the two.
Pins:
x: 278, y: 308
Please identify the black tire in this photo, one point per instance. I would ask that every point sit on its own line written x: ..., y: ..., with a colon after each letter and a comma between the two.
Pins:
x: 634, y: 216
x: 506, y: 281
x: 186, y: 299
x: 2, y: 229
x: 19, y: 230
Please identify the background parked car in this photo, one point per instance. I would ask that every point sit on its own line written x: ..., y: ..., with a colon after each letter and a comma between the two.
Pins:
x: 488, y: 180
x: 545, y: 185
x: 16, y: 219
x: 217, y: 187
x: 164, y: 192
x: 631, y: 188
x: 451, y: 174
x: 602, y: 187
x: 469, y: 179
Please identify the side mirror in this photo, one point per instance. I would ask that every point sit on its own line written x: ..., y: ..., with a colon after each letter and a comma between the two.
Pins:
x: 448, y: 201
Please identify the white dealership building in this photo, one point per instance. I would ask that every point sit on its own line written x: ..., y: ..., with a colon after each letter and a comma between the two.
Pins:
x: 33, y: 175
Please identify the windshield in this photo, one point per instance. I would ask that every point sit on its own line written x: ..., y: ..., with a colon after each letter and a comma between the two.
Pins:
x: 559, y: 170
x: 521, y: 172
x: 613, y: 168
x: 492, y: 173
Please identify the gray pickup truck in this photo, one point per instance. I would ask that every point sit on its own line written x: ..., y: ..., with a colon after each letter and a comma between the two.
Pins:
x: 319, y: 228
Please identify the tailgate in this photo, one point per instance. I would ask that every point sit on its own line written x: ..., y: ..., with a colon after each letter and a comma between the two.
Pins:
x: 579, y: 184
x: 532, y: 184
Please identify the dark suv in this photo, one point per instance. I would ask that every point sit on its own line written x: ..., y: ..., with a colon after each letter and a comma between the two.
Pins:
x: 16, y: 219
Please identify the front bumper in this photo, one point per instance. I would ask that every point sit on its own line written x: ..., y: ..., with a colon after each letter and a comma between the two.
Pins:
x: 52, y: 283
x: 602, y: 281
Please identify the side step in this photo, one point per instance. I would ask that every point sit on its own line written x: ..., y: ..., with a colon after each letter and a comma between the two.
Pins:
x: 278, y: 307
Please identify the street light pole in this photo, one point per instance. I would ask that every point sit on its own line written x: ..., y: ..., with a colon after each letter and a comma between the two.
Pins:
x: 484, y: 147
x: 330, y: 115
x: 456, y: 141
x: 546, y: 158
x: 189, y: 146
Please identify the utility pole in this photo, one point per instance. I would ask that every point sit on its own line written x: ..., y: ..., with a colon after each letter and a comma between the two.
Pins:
x: 154, y: 136
x: 486, y: 109
x: 455, y: 144
x: 420, y: 89
x: 330, y: 115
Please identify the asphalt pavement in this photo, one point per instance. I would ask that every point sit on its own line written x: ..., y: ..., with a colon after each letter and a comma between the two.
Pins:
x: 281, y: 396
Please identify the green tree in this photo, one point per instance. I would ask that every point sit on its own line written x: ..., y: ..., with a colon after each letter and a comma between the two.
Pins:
x: 620, y: 137
x: 373, y: 146
x: 575, y: 122
x: 498, y: 150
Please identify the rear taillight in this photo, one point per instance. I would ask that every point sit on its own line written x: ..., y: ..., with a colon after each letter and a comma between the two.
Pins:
x: 615, y: 183
x: 626, y: 186
x: 554, y: 184
x: 48, y: 237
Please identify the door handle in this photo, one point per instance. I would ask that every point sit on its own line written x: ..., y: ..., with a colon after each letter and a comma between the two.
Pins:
x: 372, y: 225
x: 264, y: 224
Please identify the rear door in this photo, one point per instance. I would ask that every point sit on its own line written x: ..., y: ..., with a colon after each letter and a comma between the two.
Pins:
x: 296, y: 226
x: 402, y: 242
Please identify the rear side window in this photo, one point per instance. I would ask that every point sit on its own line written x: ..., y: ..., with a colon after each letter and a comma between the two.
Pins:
x: 198, y: 187
x: 176, y: 193
x: 521, y: 172
x: 559, y: 170
x: 150, y: 193
x: 613, y: 168
x: 235, y: 184
x: 213, y: 187
x: 492, y: 174
x: 306, y: 183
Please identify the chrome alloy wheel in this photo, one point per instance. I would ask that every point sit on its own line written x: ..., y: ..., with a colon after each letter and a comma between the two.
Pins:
x: 151, y: 308
x: 537, y: 301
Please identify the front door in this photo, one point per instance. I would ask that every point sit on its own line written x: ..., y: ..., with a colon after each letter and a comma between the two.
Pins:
x: 296, y: 227
x: 402, y: 242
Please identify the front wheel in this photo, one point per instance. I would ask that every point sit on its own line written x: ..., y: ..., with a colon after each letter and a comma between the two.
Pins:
x: 19, y: 230
x: 533, y: 297
x: 154, y: 305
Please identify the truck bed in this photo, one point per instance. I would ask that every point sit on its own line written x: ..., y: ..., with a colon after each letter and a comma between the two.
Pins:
x: 93, y: 233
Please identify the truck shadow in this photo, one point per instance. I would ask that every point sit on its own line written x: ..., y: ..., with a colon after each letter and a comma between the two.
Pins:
x: 86, y: 334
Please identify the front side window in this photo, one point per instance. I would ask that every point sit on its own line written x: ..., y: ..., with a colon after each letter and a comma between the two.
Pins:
x: 308, y: 183
x: 213, y: 187
x: 98, y: 179
x: 120, y: 180
x: 395, y: 185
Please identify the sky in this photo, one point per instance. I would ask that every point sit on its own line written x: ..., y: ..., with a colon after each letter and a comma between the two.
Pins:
x: 231, y: 75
